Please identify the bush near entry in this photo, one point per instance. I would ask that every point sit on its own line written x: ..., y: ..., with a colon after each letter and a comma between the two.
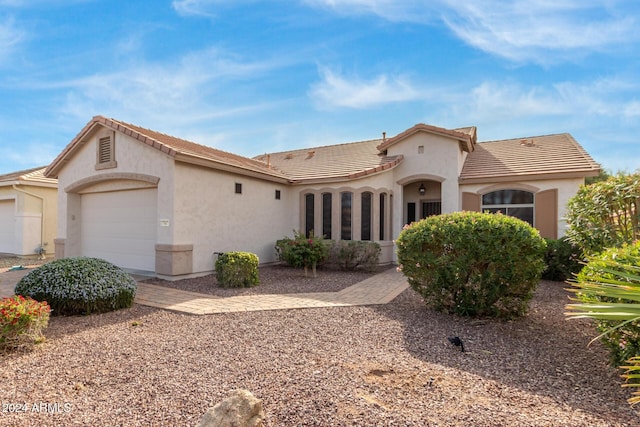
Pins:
x: 473, y: 264
x: 303, y: 251
x: 79, y: 285
x: 237, y: 270
x: 563, y: 259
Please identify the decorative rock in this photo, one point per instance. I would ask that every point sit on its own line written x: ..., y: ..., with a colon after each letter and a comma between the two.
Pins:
x: 240, y: 409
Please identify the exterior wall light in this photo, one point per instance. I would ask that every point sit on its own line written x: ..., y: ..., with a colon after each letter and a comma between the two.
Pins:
x: 422, y: 190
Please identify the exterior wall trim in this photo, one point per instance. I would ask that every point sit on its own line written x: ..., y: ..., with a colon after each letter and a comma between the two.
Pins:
x: 91, y: 180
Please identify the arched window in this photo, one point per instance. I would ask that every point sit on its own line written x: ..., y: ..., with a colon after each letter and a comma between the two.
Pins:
x: 517, y: 203
x: 383, y: 201
x: 345, y: 215
x: 366, y: 200
x: 309, y: 217
x: 326, y: 215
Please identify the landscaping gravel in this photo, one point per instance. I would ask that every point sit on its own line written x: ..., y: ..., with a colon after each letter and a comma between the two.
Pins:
x: 349, y: 366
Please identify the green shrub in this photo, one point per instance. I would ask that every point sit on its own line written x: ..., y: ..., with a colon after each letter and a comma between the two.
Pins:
x: 472, y: 264
x: 79, y: 285
x: 605, y: 214
x: 22, y: 321
x: 237, y: 270
x: 353, y: 254
x: 302, y: 251
x: 624, y: 341
x: 563, y: 259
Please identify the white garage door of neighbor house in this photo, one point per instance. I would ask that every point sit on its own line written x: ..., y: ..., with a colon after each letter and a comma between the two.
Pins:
x: 7, y: 225
x: 120, y: 227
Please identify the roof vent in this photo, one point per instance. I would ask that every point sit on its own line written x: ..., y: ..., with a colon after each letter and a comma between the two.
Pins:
x: 527, y: 143
x: 288, y: 156
x: 384, y: 136
x: 310, y: 154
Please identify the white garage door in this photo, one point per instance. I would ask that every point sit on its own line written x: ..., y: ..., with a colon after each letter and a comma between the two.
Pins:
x: 7, y: 226
x: 120, y: 227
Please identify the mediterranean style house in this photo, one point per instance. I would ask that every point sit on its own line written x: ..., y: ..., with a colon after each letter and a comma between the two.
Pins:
x: 28, y: 212
x: 151, y: 202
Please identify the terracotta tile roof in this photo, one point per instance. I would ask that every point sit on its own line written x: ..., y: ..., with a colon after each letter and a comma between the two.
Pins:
x: 539, y: 156
x: 175, y: 147
x: 466, y: 136
x: 331, y: 162
x: 28, y: 176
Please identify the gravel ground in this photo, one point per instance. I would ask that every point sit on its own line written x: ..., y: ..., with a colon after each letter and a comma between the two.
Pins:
x: 7, y: 262
x: 276, y: 279
x: 376, y: 365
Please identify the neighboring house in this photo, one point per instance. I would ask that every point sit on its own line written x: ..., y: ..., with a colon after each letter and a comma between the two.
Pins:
x: 152, y: 202
x: 28, y: 212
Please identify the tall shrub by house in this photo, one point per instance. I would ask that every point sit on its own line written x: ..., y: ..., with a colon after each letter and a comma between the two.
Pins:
x: 472, y: 264
x: 605, y: 214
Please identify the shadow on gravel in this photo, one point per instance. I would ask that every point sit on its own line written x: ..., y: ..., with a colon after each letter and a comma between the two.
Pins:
x: 541, y: 353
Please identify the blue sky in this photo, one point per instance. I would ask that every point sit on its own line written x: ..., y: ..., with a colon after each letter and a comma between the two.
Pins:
x: 250, y: 76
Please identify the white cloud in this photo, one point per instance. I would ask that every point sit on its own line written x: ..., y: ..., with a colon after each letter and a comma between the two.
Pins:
x: 337, y: 91
x: 203, y: 8
x: 10, y: 38
x: 540, y: 31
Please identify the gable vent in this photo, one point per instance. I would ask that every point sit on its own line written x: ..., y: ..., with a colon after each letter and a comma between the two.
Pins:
x: 104, y: 150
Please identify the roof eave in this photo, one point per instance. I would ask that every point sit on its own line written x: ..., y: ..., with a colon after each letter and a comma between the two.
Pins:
x: 218, y: 165
x: 351, y: 176
x: 529, y: 177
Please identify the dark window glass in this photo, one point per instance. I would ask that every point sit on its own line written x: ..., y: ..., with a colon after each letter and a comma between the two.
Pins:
x: 326, y: 215
x: 365, y: 217
x: 508, y: 197
x: 277, y: 194
x: 238, y: 188
x: 345, y: 216
x: 309, y: 214
x: 383, y: 199
x: 411, y: 212
x: 431, y: 208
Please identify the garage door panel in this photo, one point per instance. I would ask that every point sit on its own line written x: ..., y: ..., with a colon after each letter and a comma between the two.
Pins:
x: 121, y: 227
x: 7, y: 225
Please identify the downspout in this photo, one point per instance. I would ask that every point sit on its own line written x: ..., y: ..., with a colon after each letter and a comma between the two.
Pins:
x: 41, y: 216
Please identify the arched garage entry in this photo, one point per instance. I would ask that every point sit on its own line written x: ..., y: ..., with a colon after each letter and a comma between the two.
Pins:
x: 118, y: 220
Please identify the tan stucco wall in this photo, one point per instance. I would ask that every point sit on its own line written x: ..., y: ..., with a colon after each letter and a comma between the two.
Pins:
x: 34, y: 212
x: 212, y: 217
x: 567, y: 188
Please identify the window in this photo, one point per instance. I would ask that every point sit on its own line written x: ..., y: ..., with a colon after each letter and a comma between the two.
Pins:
x: 383, y: 199
x: 411, y: 212
x: 309, y: 218
x: 326, y: 215
x: 238, y: 188
x: 365, y: 217
x: 431, y: 208
x: 420, y: 149
x: 517, y: 203
x: 277, y: 194
x: 105, y: 153
x: 345, y: 216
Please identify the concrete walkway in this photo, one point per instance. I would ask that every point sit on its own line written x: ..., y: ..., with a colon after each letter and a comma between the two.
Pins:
x: 379, y: 289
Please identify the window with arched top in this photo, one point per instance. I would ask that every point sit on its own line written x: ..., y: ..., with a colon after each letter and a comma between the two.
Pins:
x: 345, y: 215
x: 366, y: 206
x: 326, y: 215
x: 517, y: 203
x: 309, y: 218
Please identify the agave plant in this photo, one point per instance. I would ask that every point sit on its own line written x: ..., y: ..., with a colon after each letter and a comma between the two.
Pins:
x: 612, y: 295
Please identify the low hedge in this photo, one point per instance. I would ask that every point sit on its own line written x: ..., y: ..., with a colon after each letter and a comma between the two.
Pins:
x: 79, y: 285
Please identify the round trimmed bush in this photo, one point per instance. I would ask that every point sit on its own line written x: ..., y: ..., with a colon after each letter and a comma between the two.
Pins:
x: 473, y: 264
x: 237, y: 270
x: 79, y: 285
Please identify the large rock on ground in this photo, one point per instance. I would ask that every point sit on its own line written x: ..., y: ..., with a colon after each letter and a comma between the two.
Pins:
x: 240, y: 409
